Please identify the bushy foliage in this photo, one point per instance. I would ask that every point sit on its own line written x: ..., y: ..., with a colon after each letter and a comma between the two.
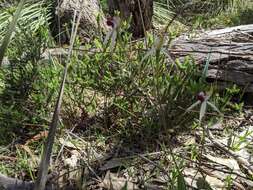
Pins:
x: 136, y: 87
x: 205, y: 13
x: 130, y: 83
x: 114, y: 85
x: 22, y: 100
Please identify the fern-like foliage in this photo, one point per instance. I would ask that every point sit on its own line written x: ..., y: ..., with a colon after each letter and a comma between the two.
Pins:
x: 164, y: 9
x: 32, y: 16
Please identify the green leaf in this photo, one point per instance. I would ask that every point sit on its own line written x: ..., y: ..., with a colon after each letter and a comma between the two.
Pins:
x: 202, y: 110
x: 10, y: 30
x: 98, y: 44
x: 181, y: 184
x: 193, y: 106
x: 32, y: 17
x: 203, y: 184
x: 46, y: 156
x: 125, y: 186
x: 204, y: 74
x: 214, y: 107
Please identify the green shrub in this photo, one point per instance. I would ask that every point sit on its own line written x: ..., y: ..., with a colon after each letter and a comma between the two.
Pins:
x: 133, y: 86
x: 28, y: 83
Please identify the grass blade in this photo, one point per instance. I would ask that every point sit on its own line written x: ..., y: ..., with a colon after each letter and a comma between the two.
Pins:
x: 214, y: 107
x: 181, y: 184
x: 193, y: 106
x: 205, y: 71
x: 10, y: 31
x: 202, y: 110
x: 45, y: 160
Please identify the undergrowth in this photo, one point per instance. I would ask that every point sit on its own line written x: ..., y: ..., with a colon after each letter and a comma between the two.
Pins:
x: 130, y: 90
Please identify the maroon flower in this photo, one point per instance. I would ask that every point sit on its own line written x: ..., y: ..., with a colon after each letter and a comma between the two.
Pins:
x: 110, y: 22
x: 201, y: 96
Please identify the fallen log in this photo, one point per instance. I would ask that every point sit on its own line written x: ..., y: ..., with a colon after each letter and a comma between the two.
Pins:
x: 8, y: 183
x: 229, y: 52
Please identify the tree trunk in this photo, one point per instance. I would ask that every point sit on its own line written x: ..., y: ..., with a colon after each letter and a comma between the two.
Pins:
x: 141, y: 12
x: 89, y: 26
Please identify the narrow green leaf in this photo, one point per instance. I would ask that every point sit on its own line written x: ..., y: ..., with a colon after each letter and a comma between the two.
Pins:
x: 214, y: 107
x: 203, y: 184
x: 10, y: 30
x: 148, y: 54
x: 204, y: 74
x: 193, y: 106
x: 181, y: 184
x: 202, y: 110
x: 45, y: 160
x: 156, y: 46
x: 125, y: 186
x: 113, y: 40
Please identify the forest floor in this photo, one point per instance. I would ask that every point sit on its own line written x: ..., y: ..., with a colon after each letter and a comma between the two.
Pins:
x: 126, y: 123
x: 224, y: 161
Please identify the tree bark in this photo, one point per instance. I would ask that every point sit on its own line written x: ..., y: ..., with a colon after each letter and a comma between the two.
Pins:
x: 228, y: 51
x: 89, y: 27
x: 141, y: 12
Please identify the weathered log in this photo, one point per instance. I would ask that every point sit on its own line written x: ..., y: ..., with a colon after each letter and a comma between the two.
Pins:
x: 229, y: 52
x: 7, y: 183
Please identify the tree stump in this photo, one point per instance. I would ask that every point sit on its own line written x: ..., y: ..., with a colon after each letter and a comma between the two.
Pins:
x: 89, y: 26
x: 141, y: 12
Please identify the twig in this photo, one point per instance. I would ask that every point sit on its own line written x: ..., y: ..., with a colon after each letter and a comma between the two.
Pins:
x: 222, y: 178
x: 155, y: 164
x: 243, y: 162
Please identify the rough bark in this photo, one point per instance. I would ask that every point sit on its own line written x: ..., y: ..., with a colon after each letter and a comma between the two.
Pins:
x: 88, y: 28
x: 230, y: 51
x: 141, y: 14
